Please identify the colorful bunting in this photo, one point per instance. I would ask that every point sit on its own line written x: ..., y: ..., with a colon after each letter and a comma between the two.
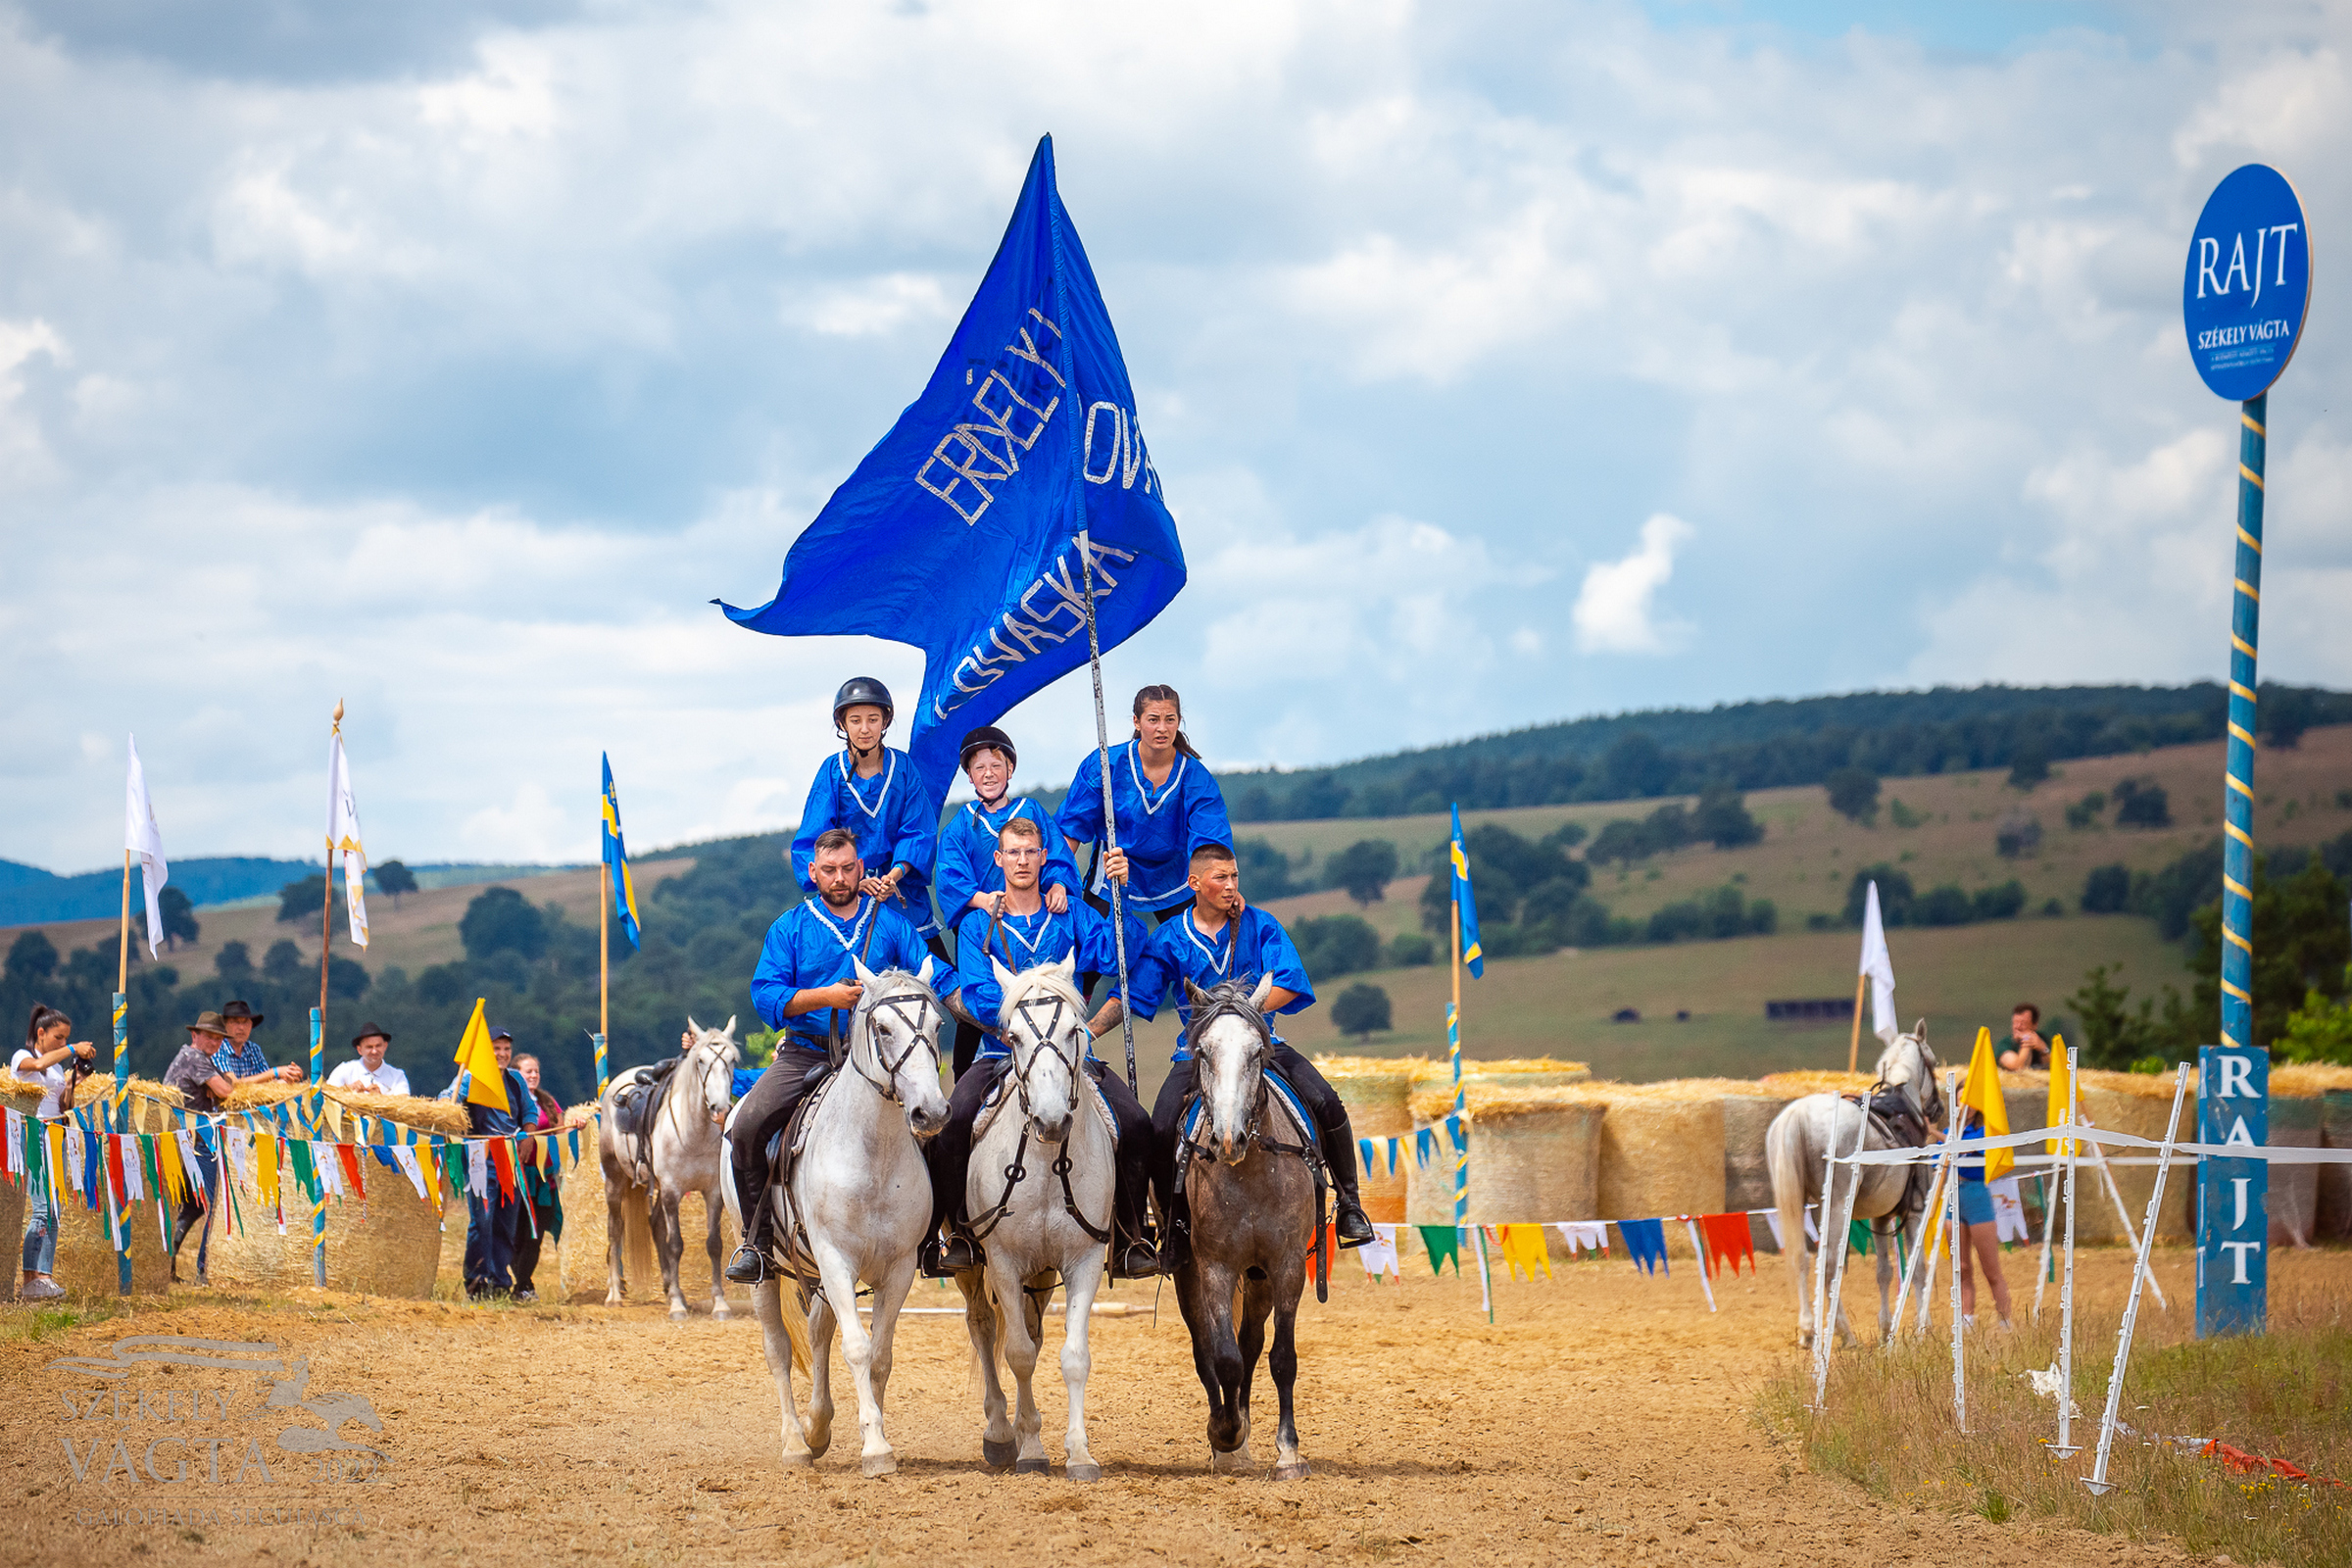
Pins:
x: 1441, y: 1242
x: 1646, y: 1239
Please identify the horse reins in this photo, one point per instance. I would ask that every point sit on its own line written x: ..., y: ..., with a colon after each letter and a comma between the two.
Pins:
x: 1018, y: 1172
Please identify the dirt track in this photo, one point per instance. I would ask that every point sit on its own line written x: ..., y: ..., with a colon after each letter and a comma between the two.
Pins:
x: 1606, y: 1417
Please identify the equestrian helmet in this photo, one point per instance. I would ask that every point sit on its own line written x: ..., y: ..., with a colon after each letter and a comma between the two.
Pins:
x: 862, y: 689
x: 987, y: 737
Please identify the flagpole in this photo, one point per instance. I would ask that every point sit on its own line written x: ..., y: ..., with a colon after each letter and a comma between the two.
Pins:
x: 1853, y: 1046
x: 123, y: 985
x: 326, y: 911
x: 1110, y: 819
x: 1461, y: 1125
x: 604, y: 957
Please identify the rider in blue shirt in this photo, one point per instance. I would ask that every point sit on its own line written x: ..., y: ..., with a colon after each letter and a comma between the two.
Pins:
x: 1223, y: 938
x: 1021, y: 931
x: 967, y: 876
x: 874, y: 789
x: 806, y: 984
x: 1166, y: 804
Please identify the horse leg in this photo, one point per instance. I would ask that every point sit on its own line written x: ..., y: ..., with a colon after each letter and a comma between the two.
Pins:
x: 890, y: 1294
x: 980, y: 1322
x: 717, y: 1209
x: 820, y: 1372
x: 858, y: 1349
x: 1025, y: 1335
x: 1886, y: 1250
x: 1216, y: 1357
x: 1077, y: 1361
x: 1258, y: 1304
x: 1799, y: 1255
x: 670, y: 1238
x: 767, y: 1304
x: 1282, y: 1362
x: 616, y: 1235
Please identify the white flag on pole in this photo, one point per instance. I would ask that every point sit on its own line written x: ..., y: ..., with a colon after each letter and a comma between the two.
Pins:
x: 343, y: 838
x: 1879, y: 964
x: 143, y: 837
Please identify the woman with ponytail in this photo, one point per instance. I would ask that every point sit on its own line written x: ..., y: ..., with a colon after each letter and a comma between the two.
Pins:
x: 47, y: 1061
x: 1165, y: 804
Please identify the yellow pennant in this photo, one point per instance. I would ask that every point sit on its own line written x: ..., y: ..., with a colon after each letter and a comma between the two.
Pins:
x: 2059, y: 1096
x: 485, y: 1084
x: 264, y: 1169
x: 1981, y: 1092
x: 166, y: 1165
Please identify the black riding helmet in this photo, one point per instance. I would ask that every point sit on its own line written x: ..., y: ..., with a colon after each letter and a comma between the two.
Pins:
x: 864, y: 689
x: 990, y: 737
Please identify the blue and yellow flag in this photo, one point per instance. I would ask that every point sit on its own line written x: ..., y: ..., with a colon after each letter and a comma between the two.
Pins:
x: 1472, y: 955
x: 617, y: 861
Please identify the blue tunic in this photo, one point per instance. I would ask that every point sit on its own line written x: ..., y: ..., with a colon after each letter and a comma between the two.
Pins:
x: 807, y: 947
x: 1158, y: 828
x: 1180, y: 950
x: 1023, y: 942
x: 967, y: 857
x: 893, y: 817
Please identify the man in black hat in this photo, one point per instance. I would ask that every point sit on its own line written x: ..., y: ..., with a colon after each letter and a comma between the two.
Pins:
x: 198, y: 1077
x: 371, y: 1071
x: 241, y: 1060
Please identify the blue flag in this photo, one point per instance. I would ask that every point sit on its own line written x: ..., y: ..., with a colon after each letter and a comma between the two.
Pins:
x: 1472, y: 955
x: 622, y: 889
x: 960, y: 532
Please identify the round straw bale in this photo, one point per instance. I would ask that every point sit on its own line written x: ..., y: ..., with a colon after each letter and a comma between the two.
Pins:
x: 1519, y: 1071
x: 2309, y: 1078
x: 1661, y: 1150
x: 1375, y: 1090
x: 1747, y: 1174
x: 1798, y: 1084
x: 2294, y: 1199
x: 1533, y: 1155
x: 389, y: 1243
x: 2140, y: 1103
x: 2335, y: 1180
x: 86, y: 1261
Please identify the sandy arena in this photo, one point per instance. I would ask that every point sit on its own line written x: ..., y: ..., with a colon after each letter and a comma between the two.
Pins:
x: 1605, y: 1417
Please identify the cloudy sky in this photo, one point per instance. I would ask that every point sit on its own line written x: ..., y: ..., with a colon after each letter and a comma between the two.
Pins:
x: 1502, y: 364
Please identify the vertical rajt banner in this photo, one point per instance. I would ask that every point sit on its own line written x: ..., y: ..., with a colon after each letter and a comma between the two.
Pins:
x: 2234, y: 1224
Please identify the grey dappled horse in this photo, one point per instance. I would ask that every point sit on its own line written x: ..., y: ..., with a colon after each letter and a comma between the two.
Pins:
x: 1808, y: 1129
x: 686, y: 1152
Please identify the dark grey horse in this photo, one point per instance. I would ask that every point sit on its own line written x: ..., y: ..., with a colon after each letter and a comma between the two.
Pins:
x: 1253, y: 1199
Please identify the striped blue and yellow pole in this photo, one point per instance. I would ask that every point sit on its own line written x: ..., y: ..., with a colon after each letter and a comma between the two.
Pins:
x: 318, y: 1098
x: 2237, y: 797
x: 1460, y: 1132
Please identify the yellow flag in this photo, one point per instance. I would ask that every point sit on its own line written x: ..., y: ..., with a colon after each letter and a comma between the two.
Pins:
x: 485, y: 1084
x: 168, y: 1166
x: 264, y: 1169
x: 2058, y: 1098
x: 1981, y: 1092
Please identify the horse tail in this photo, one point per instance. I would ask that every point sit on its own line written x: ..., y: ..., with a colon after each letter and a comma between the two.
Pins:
x: 795, y: 1314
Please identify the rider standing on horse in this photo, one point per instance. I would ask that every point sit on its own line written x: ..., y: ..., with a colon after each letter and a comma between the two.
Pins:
x: 967, y: 876
x: 807, y: 985
x: 1223, y: 938
x: 1165, y: 804
x: 874, y: 792
x: 1018, y: 929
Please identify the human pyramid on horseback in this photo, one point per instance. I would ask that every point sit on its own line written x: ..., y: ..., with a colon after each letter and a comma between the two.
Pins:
x: 847, y: 1164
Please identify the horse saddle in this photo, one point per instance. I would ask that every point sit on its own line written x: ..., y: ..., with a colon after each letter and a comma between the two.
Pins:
x: 1894, y: 1117
x: 636, y: 1105
x: 784, y: 1149
x: 1309, y: 1146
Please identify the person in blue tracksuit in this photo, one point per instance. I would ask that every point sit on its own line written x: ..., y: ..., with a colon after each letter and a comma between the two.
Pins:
x: 1021, y: 931
x: 967, y: 876
x: 806, y: 984
x: 1222, y: 938
x: 1166, y: 802
x: 873, y: 791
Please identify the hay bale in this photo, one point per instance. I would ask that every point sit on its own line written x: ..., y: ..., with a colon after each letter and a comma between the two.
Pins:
x: 86, y: 1262
x: 1534, y: 1154
x: 1375, y: 1090
x: 1805, y: 1081
x: 2139, y: 1104
x: 2294, y: 1197
x: 1746, y: 1173
x: 1524, y: 1072
x: 1661, y: 1149
x: 2309, y: 1079
x: 388, y: 1244
x: 2334, y: 1205
x: 582, y: 1272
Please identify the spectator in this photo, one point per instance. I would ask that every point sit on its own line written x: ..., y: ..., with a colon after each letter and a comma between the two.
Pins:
x: 2027, y: 1050
x: 491, y: 1217
x: 1980, y: 1231
x: 371, y: 1071
x: 44, y: 1060
x: 241, y: 1060
x: 544, y: 1221
x: 200, y: 1081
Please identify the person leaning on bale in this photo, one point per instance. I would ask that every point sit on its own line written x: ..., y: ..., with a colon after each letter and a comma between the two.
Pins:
x: 47, y: 1060
x: 204, y: 1085
x: 371, y: 1072
x: 241, y: 1060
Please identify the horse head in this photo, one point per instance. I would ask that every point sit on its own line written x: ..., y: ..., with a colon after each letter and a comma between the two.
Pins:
x: 1908, y: 1063
x: 712, y: 1058
x: 894, y: 1043
x: 1044, y: 1020
x: 1230, y: 1043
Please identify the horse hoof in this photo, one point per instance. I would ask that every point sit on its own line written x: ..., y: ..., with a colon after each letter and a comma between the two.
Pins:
x: 719, y: 1313
x: 1033, y: 1467
x: 677, y: 1315
x: 615, y: 1298
x: 800, y: 1462
x: 875, y: 1465
x: 998, y: 1455
x: 1291, y: 1472
x: 1085, y: 1474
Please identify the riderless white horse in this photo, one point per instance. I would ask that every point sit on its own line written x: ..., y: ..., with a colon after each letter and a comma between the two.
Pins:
x: 1808, y: 1129
x: 686, y: 1157
x: 854, y: 1206
x: 1042, y: 1169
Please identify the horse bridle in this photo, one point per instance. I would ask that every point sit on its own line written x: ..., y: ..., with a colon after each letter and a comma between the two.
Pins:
x: 1048, y: 1039
x: 917, y: 1031
x: 1263, y: 1052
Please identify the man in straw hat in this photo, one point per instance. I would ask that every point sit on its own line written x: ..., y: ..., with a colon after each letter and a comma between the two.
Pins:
x: 239, y: 1058
x: 198, y: 1077
x: 371, y: 1071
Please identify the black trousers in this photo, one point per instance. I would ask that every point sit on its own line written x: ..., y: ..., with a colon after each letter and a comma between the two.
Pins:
x: 526, y: 1251
x: 762, y: 1115
x: 1322, y: 1102
x: 950, y: 1155
x: 490, y: 1239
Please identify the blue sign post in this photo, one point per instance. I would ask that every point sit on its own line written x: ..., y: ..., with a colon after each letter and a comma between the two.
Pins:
x: 2243, y: 302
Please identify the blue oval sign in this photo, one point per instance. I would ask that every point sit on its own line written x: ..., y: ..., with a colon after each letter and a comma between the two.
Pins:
x: 2248, y: 282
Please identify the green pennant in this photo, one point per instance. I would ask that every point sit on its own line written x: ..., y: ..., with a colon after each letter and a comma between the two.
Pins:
x: 1857, y: 1236
x: 1442, y: 1242
x: 299, y: 1149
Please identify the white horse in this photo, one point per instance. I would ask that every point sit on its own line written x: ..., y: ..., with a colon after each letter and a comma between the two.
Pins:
x: 1808, y: 1129
x: 856, y: 1207
x: 1035, y: 1223
x: 686, y: 1152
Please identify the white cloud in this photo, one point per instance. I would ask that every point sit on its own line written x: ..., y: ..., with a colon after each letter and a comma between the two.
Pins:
x: 875, y: 306
x: 1615, y: 610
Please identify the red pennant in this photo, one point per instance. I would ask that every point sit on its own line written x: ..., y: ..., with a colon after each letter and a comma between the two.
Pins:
x: 349, y: 1155
x: 114, y: 1170
x: 501, y: 1162
x: 1729, y: 1239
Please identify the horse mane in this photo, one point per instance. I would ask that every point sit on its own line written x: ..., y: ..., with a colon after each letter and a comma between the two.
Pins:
x: 1225, y: 998
x: 1044, y: 977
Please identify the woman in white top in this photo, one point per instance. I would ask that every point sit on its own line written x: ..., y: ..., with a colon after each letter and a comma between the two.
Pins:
x: 44, y: 1060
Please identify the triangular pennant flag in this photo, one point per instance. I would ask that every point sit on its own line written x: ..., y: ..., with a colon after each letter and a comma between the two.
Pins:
x: 1981, y: 1092
x: 1442, y: 1242
x: 1645, y: 1241
x: 349, y: 1155
x: 477, y: 1059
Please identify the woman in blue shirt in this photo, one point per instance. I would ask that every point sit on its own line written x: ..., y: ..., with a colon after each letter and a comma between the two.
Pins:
x: 1166, y: 802
x: 874, y: 792
x: 1980, y: 1229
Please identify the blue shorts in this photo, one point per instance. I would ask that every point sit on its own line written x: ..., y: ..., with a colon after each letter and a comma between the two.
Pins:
x: 1976, y: 1204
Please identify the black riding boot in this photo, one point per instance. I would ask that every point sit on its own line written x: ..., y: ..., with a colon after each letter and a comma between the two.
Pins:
x: 1132, y: 1256
x: 1175, y: 1238
x: 757, y: 1118
x: 949, y: 1158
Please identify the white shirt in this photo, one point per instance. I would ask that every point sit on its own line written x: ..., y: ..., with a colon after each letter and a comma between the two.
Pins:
x: 52, y: 1080
x: 355, y: 1075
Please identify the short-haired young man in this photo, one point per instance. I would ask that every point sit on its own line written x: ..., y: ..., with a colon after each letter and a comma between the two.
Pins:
x: 2027, y: 1047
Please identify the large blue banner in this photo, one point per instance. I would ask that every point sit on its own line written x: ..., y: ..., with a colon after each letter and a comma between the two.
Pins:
x: 960, y: 532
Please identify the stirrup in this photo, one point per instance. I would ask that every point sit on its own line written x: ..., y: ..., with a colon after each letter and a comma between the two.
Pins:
x: 1355, y: 1229
x: 748, y: 1265
x: 953, y: 1256
x: 1137, y: 1261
